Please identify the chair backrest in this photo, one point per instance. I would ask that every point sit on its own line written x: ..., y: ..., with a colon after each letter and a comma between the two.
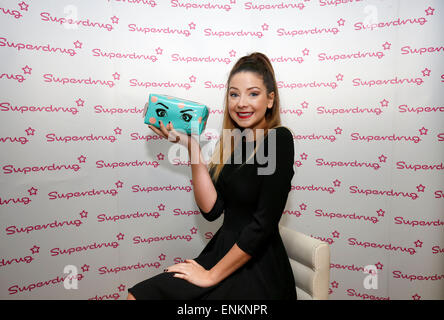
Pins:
x: 310, y: 261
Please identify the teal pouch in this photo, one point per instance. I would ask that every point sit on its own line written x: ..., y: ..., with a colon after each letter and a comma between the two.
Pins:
x: 186, y: 116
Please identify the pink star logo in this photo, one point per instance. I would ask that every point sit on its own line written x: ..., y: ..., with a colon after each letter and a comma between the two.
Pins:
x: 426, y: 72
x: 304, y: 104
x: 159, y: 51
x: 32, y: 191
x: 382, y: 158
x: 416, y: 297
x: 429, y: 11
x: 305, y: 52
x: 341, y: 22
x: 192, y: 25
x: 384, y: 103
x: 35, y: 249
x: 114, y: 19
x: 193, y: 230
x: 118, y: 130
x: 386, y: 45
x: 379, y: 266
x: 84, y: 214
x: 338, y: 130
x: 121, y: 288
x: 116, y: 76
x: 337, y: 183
x: 418, y: 243
x: 78, y: 44
x: 161, y: 207
x: 23, y: 6
x: 192, y: 79
x: 380, y: 213
x: 80, y: 102
x: 423, y: 131
x: 160, y: 156
x: 335, y: 234
x: 265, y: 27
x: 27, y: 69
x: 81, y: 159
x: 304, y: 156
x: 232, y: 53
x: 30, y: 131
x: 85, y: 268
x: 420, y: 188
x: 162, y: 257
x: 119, y: 184
x: 339, y: 77
x: 120, y: 236
x: 303, y: 206
x: 335, y: 284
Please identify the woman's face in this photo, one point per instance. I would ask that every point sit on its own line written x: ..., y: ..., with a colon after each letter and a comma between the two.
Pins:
x: 248, y: 100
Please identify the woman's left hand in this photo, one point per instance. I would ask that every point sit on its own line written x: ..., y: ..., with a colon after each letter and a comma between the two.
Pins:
x: 192, y: 272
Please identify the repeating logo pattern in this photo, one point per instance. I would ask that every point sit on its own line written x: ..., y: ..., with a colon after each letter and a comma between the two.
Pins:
x: 84, y: 184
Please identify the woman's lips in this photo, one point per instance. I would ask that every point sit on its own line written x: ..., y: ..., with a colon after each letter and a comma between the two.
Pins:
x: 244, y: 115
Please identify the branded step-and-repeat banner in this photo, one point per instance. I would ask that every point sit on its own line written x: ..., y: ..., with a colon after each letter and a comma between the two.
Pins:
x: 93, y: 202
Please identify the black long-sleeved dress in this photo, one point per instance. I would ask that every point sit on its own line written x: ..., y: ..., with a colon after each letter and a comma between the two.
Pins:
x: 252, y: 204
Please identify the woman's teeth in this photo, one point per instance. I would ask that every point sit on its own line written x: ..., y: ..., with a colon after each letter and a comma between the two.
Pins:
x: 244, y: 115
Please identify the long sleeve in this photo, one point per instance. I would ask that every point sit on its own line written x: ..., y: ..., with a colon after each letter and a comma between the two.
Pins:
x: 272, y: 199
x: 218, y: 207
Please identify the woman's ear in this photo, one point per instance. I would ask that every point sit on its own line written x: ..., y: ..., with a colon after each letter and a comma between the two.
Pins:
x: 270, y: 100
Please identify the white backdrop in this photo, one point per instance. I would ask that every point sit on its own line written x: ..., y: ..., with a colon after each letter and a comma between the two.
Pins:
x: 84, y: 183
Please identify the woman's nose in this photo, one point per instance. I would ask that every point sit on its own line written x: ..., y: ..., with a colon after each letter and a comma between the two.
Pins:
x: 243, y: 101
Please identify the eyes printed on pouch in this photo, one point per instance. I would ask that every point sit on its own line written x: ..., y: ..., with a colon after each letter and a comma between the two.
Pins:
x: 161, y: 113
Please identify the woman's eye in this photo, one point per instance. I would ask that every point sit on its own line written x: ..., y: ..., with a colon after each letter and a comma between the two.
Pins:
x: 160, y: 112
x: 254, y: 94
x: 233, y: 95
x: 186, y: 117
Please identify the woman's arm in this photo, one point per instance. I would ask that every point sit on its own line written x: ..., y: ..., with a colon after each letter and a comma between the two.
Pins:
x: 233, y: 260
x: 194, y: 273
x: 204, y: 191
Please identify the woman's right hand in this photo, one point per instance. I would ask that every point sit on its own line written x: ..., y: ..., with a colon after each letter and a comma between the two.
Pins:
x: 169, y: 133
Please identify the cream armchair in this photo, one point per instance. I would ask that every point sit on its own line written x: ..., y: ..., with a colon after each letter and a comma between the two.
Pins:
x: 310, y: 261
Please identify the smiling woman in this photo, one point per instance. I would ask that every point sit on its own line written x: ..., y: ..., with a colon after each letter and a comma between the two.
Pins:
x: 246, y: 258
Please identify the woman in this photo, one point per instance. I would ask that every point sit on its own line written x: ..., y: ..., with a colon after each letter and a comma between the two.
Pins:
x: 246, y: 258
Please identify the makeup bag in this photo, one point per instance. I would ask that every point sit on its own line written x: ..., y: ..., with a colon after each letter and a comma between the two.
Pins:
x: 186, y: 116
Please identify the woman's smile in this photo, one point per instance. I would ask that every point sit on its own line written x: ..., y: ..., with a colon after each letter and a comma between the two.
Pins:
x: 244, y: 115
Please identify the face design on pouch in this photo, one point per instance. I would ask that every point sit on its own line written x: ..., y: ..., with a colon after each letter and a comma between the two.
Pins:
x: 185, y: 115
x: 248, y: 100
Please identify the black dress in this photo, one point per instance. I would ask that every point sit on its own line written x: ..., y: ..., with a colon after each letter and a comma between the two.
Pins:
x: 252, y: 204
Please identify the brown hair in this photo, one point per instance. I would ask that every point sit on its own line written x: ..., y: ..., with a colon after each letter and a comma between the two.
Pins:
x: 260, y: 64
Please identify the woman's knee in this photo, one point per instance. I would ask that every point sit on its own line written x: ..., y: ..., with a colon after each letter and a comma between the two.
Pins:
x: 130, y: 297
